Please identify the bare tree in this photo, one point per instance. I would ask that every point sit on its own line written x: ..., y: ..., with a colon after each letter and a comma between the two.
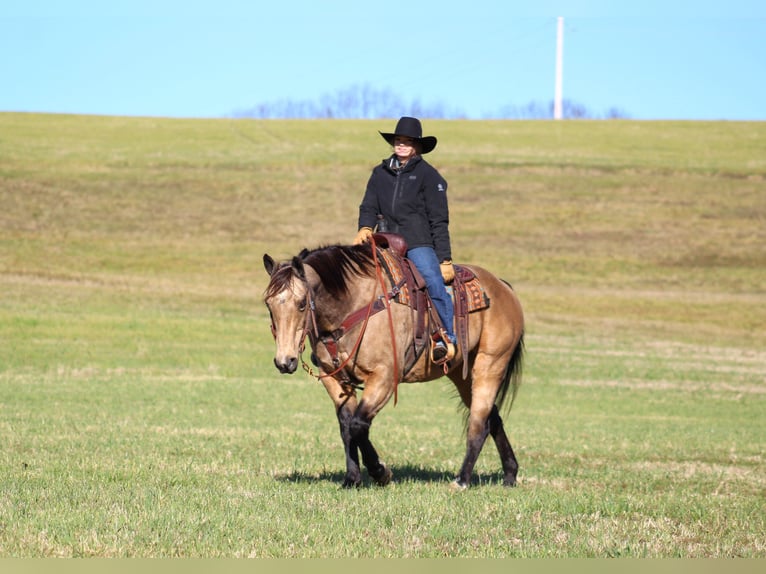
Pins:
x: 366, y: 102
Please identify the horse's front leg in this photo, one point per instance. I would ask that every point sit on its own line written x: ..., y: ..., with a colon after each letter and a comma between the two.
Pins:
x: 359, y: 429
x: 355, y: 433
x: 377, y: 392
x: 345, y: 407
x: 353, y: 476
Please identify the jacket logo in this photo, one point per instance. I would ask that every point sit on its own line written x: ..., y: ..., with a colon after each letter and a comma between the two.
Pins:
x: 440, y: 187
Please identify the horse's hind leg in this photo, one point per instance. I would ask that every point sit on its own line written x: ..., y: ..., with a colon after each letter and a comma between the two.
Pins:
x: 478, y: 393
x: 477, y: 428
x: 507, y: 457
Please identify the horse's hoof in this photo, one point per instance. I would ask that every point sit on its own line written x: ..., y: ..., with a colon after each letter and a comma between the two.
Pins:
x: 457, y: 486
x: 510, y: 481
x: 385, y: 477
x: 349, y: 483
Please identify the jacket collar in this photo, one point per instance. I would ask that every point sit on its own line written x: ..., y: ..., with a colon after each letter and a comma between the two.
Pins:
x: 392, y: 163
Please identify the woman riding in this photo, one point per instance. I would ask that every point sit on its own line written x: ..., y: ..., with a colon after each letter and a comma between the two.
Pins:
x: 411, y: 197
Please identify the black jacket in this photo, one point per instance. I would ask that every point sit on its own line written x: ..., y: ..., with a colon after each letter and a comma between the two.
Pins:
x: 413, y: 201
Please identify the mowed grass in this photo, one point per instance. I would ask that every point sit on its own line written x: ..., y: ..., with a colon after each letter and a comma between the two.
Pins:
x: 141, y: 416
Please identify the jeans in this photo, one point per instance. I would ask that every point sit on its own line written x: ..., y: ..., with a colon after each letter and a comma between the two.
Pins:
x: 427, y: 263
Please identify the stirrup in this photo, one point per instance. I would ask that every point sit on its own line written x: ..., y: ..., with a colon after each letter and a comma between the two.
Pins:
x: 442, y: 351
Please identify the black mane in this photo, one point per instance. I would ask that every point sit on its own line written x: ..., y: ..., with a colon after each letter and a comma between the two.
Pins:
x: 336, y: 265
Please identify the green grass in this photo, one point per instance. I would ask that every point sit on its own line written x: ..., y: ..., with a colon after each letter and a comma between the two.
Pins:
x: 141, y: 415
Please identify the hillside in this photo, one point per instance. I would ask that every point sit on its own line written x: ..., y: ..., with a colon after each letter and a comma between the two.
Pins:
x: 657, y: 227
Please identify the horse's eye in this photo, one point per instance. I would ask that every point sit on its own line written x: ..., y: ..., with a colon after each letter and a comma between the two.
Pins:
x: 302, y: 305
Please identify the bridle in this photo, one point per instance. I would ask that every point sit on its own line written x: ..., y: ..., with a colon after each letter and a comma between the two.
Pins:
x: 310, y: 329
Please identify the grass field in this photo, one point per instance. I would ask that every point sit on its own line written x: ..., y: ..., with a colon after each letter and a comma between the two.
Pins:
x: 141, y: 416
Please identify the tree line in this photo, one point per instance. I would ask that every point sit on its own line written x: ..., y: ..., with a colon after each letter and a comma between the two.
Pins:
x: 366, y: 102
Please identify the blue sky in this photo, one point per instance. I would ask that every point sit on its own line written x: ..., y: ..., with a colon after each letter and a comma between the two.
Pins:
x: 651, y: 59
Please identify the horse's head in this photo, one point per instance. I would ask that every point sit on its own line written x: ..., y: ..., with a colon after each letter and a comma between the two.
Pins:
x: 317, y: 286
x: 287, y: 298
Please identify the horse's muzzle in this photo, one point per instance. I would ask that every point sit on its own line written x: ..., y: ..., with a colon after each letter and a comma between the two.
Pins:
x: 287, y: 367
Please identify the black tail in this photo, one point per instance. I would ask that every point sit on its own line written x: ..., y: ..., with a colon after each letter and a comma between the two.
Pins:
x: 512, y: 376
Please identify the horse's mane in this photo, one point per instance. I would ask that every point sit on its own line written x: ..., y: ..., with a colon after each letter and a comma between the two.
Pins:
x: 335, y: 265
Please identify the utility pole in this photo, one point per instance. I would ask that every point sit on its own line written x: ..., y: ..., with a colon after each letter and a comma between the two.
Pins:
x: 558, y: 108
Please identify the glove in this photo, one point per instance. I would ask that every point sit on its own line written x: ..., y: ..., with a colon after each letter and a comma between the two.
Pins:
x: 363, y: 235
x: 448, y: 272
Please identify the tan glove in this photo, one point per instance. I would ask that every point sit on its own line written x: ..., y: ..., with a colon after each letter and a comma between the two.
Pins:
x: 448, y: 272
x: 363, y: 235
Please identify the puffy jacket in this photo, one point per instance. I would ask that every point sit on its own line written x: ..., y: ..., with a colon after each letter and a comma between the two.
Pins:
x: 413, y: 200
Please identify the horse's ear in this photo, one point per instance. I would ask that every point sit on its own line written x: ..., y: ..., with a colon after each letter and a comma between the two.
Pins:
x: 269, y: 263
x: 303, y: 253
x: 298, y: 267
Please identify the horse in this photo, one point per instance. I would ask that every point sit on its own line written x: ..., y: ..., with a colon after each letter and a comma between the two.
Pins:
x: 315, y: 292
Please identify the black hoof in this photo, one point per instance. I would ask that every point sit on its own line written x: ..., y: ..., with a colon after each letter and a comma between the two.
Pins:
x: 352, y: 483
x: 383, y: 476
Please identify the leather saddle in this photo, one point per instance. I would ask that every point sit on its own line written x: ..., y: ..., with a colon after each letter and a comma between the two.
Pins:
x: 467, y: 295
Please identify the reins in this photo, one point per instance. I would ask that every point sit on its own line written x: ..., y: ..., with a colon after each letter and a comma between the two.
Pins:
x: 306, y: 366
x: 314, y: 333
x: 379, y: 272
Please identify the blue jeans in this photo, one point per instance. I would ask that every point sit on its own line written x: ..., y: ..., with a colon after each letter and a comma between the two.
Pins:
x: 427, y: 263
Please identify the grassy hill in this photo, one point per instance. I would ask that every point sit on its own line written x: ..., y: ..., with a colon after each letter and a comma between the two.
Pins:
x: 602, y: 221
x: 144, y: 416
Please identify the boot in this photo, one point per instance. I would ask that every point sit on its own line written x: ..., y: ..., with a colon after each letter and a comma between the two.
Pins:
x: 442, y: 351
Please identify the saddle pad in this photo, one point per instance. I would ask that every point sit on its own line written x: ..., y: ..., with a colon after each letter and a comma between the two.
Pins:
x: 475, y: 296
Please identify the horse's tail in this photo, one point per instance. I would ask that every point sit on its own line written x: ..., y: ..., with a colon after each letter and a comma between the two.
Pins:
x: 512, y: 377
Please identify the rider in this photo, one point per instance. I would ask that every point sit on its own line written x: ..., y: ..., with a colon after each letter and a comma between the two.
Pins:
x: 411, y: 196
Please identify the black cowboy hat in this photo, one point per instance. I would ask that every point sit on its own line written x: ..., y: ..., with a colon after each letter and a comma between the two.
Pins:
x: 410, y: 127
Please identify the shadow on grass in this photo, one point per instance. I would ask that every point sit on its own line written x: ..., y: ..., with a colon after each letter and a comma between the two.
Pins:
x: 402, y: 474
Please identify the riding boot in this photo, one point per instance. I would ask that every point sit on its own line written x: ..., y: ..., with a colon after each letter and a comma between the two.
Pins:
x: 442, y: 350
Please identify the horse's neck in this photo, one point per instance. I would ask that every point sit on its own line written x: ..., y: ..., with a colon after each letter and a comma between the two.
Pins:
x: 332, y: 311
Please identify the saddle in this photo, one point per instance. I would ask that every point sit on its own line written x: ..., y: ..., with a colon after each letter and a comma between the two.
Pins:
x: 467, y: 296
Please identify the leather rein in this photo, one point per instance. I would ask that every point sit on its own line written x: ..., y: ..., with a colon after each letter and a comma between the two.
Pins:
x: 361, y: 315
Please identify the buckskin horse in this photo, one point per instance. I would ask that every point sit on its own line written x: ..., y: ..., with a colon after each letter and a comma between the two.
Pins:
x: 334, y: 295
